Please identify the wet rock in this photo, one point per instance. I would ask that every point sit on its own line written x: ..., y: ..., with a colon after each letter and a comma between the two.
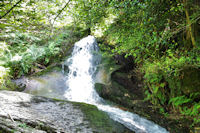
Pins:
x: 21, y: 112
x: 126, y: 90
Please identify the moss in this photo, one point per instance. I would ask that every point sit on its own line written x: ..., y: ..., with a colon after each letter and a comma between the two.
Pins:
x: 119, y: 87
x: 99, y: 88
x: 60, y: 100
x: 190, y: 81
x: 99, y: 120
x: 119, y: 74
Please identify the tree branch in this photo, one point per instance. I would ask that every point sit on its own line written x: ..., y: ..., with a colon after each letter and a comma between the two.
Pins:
x: 10, y: 9
x: 60, y: 11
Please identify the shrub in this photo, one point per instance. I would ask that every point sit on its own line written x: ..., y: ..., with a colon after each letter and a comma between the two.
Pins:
x: 4, y: 76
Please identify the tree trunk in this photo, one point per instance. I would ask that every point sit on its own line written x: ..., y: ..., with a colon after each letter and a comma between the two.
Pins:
x: 189, y: 34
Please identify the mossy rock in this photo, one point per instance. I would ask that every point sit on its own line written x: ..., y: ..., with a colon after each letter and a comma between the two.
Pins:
x: 99, y: 87
x: 53, y: 115
x: 100, y: 121
x: 191, y: 80
x: 121, y: 75
x: 115, y: 93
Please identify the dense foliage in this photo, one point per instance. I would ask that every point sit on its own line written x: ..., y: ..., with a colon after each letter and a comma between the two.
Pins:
x: 33, y: 35
x: 162, y: 35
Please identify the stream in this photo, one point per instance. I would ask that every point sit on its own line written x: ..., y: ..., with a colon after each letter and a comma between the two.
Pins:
x: 78, y: 85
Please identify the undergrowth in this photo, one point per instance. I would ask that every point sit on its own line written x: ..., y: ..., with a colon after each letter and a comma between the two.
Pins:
x: 172, y: 83
x: 27, y: 53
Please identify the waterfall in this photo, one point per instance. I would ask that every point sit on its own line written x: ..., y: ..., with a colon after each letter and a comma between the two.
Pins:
x: 82, y: 67
x: 80, y: 81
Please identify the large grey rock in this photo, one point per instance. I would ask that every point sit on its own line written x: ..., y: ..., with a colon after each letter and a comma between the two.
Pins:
x: 27, y: 113
x: 21, y: 112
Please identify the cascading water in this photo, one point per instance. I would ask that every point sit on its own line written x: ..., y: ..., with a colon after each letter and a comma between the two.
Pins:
x: 80, y: 82
x: 81, y: 70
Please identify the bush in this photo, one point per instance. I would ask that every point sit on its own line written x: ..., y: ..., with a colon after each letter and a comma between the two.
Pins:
x: 3, y: 76
x: 173, y: 83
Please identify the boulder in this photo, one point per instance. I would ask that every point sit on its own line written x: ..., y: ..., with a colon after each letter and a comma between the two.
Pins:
x: 21, y: 112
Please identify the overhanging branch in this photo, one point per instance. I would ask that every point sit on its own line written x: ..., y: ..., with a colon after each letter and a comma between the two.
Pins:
x: 10, y: 9
x: 60, y: 11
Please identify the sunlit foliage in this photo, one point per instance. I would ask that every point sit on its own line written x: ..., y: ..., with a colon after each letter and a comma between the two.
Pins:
x: 162, y: 35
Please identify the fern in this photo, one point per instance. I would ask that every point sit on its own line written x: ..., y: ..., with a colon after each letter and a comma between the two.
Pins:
x: 180, y: 100
x: 195, y: 110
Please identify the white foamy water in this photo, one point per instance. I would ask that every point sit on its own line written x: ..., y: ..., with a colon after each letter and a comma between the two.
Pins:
x: 81, y: 71
x: 82, y: 67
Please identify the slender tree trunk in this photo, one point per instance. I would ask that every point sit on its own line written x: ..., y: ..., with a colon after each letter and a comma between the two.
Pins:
x: 189, y: 33
x: 196, y: 25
